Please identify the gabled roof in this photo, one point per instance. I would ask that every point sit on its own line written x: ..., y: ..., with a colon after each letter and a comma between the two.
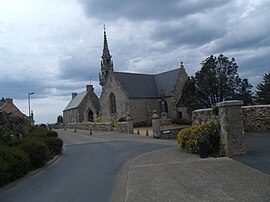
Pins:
x: 166, y: 81
x: 76, y: 101
x: 148, y: 85
x: 138, y: 85
x: 95, y: 101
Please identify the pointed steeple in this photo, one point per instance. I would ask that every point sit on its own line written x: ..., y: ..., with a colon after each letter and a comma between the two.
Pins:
x: 106, y: 52
x: 106, y: 61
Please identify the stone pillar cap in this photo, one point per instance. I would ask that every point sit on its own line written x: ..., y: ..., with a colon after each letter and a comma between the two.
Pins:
x: 230, y: 103
x: 155, y: 115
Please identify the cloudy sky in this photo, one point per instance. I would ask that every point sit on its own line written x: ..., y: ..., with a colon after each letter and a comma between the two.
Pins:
x: 53, y: 47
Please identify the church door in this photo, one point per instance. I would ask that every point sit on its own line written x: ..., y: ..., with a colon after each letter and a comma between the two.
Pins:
x: 90, y: 116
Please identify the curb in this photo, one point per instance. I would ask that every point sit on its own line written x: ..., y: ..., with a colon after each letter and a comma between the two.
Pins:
x: 31, y: 173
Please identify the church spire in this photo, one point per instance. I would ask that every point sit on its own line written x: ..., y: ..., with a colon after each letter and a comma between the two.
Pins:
x: 106, y: 61
x: 106, y: 52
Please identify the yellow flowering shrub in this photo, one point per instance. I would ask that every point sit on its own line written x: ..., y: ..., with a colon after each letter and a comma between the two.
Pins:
x: 99, y: 119
x: 189, y: 138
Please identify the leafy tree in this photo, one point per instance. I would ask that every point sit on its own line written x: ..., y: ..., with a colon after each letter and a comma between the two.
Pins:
x: 59, y: 119
x: 263, y: 90
x: 217, y: 80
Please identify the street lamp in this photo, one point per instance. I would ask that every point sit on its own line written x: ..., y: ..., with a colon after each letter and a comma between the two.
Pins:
x: 29, y: 94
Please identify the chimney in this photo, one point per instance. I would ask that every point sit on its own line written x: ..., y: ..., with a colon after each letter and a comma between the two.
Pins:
x: 9, y: 100
x: 89, y: 88
x: 73, y: 95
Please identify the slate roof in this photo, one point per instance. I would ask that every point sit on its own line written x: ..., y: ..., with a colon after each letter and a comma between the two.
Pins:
x: 148, y: 85
x: 76, y: 101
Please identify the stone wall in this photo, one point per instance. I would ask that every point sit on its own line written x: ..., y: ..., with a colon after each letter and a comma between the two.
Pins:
x: 71, y: 116
x: 203, y: 115
x: 122, y: 108
x: 256, y: 118
x: 93, y: 126
x: 141, y: 109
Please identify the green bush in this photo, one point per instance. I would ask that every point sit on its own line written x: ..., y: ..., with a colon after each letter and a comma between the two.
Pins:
x: 54, y: 144
x: 37, y: 150
x: 122, y: 119
x: 51, y: 133
x: 39, y: 132
x: 14, y: 163
x: 189, y: 138
x: 4, y: 174
x: 215, y: 110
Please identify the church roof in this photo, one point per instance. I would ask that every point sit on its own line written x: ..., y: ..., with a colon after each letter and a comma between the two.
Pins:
x: 148, y: 85
x: 76, y: 101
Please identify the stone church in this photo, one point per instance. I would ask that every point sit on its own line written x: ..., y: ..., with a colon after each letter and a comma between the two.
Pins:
x: 131, y: 93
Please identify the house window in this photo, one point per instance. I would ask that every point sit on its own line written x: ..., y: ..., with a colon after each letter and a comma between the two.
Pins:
x: 112, y: 103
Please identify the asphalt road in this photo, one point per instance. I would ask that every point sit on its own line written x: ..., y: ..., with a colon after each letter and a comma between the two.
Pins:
x: 86, y: 171
x: 258, y: 151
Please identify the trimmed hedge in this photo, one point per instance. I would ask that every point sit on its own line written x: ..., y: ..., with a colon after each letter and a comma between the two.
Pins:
x: 14, y: 163
x: 51, y: 133
x: 39, y: 132
x: 189, y: 138
x: 54, y: 145
x: 37, y: 150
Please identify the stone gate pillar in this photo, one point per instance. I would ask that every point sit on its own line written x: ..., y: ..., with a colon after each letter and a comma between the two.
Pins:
x: 232, y: 128
x: 156, y: 125
x: 129, y: 122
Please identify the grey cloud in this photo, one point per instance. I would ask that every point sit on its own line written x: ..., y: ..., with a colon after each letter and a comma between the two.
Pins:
x: 190, y: 33
x: 79, y: 66
x: 146, y: 10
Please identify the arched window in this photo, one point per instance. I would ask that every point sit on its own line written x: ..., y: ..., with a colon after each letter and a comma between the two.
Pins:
x: 165, y: 106
x: 112, y: 102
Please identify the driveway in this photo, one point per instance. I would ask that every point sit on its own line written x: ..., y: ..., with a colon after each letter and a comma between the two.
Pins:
x: 86, y: 171
x: 258, y: 151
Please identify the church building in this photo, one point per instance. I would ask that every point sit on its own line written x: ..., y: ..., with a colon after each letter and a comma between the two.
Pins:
x: 135, y: 94
x: 139, y: 94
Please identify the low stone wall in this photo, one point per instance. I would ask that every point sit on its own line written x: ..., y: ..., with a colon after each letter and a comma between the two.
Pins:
x: 93, y: 126
x: 203, y: 115
x: 256, y: 117
x: 165, y: 122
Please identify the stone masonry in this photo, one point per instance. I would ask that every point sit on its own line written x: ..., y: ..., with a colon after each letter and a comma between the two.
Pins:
x: 256, y: 118
x: 232, y: 129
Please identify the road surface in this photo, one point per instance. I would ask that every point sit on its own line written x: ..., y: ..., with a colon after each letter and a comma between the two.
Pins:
x: 87, y: 170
